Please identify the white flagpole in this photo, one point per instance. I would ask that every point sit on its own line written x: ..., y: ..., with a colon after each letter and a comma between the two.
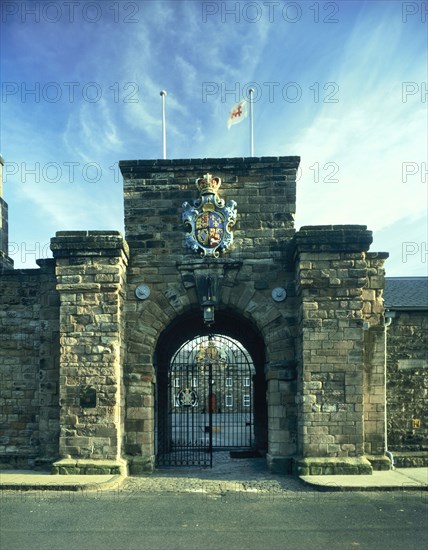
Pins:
x: 163, y: 94
x: 251, y: 91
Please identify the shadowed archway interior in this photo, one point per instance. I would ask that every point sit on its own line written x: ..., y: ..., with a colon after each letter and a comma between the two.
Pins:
x: 211, y: 390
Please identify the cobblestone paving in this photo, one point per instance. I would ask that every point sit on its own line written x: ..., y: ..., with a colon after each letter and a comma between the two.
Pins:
x: 248, y: 475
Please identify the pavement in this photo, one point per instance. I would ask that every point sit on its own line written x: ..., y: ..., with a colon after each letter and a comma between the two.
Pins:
x: 226, y: 475
x: 29, y: 480
x: 397, y: 479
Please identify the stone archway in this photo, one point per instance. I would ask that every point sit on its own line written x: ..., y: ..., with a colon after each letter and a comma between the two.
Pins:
x: 307, y: 306
x: 184, y: 329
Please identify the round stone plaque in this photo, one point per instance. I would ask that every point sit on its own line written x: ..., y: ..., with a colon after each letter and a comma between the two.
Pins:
x: 142, y: 292
x: 279, y: 294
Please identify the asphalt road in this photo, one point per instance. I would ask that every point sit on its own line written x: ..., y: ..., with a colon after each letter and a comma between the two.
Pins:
x: 132, y: 520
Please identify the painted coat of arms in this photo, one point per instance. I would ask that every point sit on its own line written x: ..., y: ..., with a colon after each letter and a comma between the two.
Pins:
x: 210, y: 220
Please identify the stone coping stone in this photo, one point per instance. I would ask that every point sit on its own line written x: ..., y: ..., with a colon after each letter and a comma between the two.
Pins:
x: 379, y: 462
x: 208, y: 160
x: 73, y: 466
x: 410, y: 459
x: 377, y: 255
x: 140, y: 465
x: 333, y: 238
x: 165, y: 171
x: 92, y: 233
x: 333, y: 466
x: 87, y: 240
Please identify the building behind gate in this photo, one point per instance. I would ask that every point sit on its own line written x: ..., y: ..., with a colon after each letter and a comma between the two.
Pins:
x: 92, y: 375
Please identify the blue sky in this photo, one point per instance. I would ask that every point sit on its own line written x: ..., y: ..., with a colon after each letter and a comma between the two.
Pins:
x: 341, y: 84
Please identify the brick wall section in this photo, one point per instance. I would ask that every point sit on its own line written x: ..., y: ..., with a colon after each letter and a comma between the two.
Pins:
x: 90, y: 270
x: 28, y: 355
x: 332, y: 271
x: 407, y: 381
x: 265, y: 192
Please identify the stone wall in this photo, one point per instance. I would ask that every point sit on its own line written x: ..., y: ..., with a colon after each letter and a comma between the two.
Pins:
x: 3, y: 227
x: 5, y: 261
x: 264, y: 189
x: 407, y: 382
x: 335, y: 277
x: 90, y: 271
x: 374, y: 355
x: 29, y: 366
x: 82, y: 357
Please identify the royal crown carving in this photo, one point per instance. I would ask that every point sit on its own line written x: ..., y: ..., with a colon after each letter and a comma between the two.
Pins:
x: 208, y: 185
x: 210, y: 220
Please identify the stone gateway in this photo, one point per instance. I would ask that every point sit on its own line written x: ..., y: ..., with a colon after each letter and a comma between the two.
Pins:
x: 231, y: 330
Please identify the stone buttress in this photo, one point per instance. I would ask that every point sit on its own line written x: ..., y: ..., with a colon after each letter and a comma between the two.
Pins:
x: 91, y: 274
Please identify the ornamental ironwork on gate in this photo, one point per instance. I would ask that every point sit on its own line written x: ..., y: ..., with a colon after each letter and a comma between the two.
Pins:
x: 205, y: 402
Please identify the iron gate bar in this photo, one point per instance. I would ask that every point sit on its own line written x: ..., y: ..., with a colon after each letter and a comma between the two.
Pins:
x: 210, y: 411
x: 205, y: 401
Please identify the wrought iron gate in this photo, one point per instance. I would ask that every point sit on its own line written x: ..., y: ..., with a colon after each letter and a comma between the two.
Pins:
x: 205, y: 401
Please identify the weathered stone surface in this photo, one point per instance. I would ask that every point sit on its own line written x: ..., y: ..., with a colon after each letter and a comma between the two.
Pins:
x: 92, y: 397
x: 335, y: 352
x: 6, y: 263
x: 411, y: 459
x: 29, y: 353
x: 333, y: 466
x: 379, y: 463
x: 407, y: 388
x: 333, y: 238
x: 82, y: 358
x: 69, y: 466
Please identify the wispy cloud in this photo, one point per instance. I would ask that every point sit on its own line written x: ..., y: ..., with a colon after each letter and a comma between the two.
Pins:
x: 90, y: 132
x: 353, y: 150
x: 362, y: 140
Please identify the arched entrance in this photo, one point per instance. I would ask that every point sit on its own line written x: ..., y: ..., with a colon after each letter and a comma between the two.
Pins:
x: 211, y: 392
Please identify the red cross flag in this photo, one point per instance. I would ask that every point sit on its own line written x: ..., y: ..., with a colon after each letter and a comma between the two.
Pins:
x: 237, y: 113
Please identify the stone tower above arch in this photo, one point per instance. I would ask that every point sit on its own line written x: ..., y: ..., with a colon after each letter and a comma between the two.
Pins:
x: 243, y: 278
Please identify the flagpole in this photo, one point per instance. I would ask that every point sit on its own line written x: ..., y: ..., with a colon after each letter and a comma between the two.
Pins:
x: 251, y: 91
x: 163, y: 94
